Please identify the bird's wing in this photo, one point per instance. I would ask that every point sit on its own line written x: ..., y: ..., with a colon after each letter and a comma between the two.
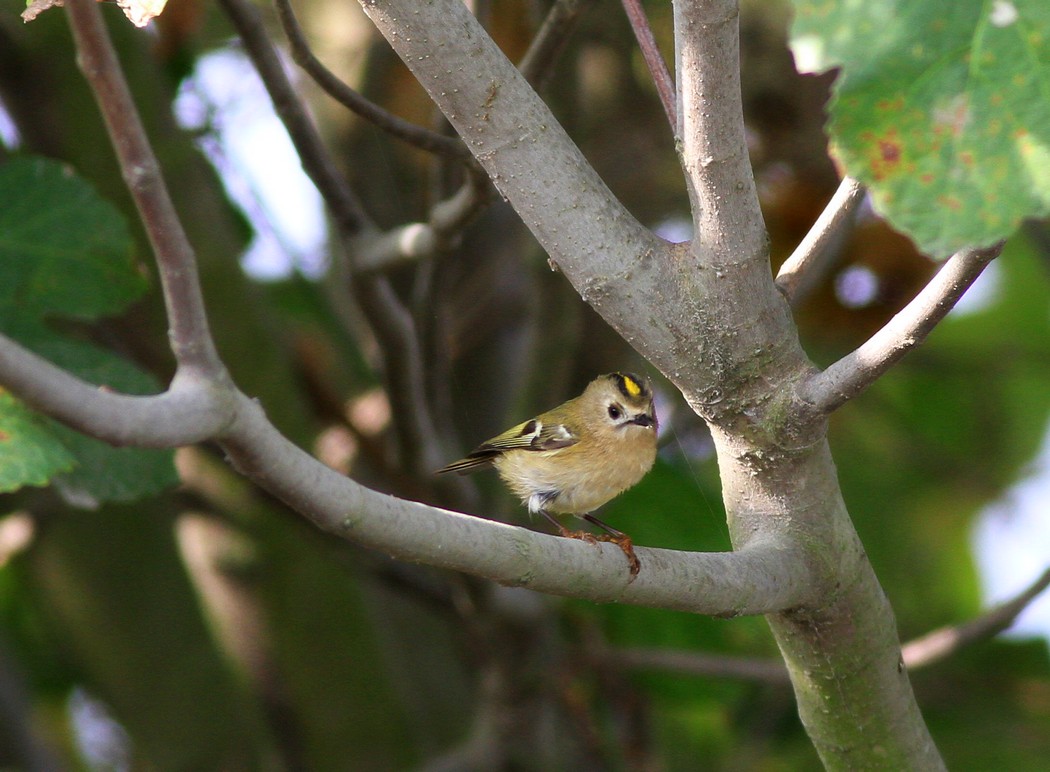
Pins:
x: 530, y: 435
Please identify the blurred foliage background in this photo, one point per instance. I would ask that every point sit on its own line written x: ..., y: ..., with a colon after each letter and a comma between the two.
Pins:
x: 208, y: 627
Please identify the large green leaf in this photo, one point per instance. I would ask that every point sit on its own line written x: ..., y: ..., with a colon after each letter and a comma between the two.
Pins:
x: 64, y: 250
x: 65, y: 253
x: 941, y: 107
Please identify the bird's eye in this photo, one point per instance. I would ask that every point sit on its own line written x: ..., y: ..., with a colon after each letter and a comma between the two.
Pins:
x: 615, y: 413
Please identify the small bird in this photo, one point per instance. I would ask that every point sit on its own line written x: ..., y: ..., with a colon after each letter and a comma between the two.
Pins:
x: 578, y: 456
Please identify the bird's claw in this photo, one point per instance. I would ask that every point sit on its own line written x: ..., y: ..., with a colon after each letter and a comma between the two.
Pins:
x: 623, y: 541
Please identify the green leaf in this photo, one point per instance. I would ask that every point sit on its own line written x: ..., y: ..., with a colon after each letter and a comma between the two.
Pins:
x: 942, y: 108
x: 64, y: 249
x: 30, y: 454
x: 65, y: 253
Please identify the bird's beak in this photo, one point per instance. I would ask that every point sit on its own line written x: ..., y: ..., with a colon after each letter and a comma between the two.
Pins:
x: 643, y: 419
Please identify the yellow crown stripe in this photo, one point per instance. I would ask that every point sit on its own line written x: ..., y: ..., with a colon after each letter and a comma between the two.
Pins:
x: 633, y: 389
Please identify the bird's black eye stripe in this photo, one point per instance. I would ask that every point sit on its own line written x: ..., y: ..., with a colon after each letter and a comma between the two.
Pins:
x: 615, y: 413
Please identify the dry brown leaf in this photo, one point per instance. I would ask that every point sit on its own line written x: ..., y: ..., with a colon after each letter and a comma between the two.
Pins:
x: 139, y: 12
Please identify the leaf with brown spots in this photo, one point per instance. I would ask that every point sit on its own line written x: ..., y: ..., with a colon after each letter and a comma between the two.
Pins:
x: 940, y: 107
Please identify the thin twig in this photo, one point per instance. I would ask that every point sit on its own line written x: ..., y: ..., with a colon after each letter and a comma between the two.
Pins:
x: 418, y: 136
x: 942, y: 643
x: 344, y: 204
x: 654, y: 60
x: 538, y: 62
x: 450, y: 216
x: 804, y: 268
x: 916, y: 654
x: 191, y: 340
x: 832, y: 388
x: 394, y: 327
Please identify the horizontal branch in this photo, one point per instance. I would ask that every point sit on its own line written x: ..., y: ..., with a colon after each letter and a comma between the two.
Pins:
x: 760, y: 579
x: 193, y: 409
x: 828, y: 390
x: 755, y: 669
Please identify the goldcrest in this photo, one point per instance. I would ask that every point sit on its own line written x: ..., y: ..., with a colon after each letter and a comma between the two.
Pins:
x: 578, y: 456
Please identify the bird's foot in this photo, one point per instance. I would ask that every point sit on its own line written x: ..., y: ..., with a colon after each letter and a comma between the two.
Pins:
x: 619, y: 538
x: 623, y: 541
x: 586, y: 536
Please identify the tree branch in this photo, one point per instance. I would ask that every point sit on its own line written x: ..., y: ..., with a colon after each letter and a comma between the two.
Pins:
x: 855, y: 372
x: 191, y: 340
x: 755, y: 669
x: 713, y: 147
x: 418, y: 136
x: 346, y: 208
x: 551, y: 38
x: 919, y: 653
x: 654, y: 60
x: 946, y: 641
x: 194, y: 408
x: 804, y: 267
x: 761, y: 578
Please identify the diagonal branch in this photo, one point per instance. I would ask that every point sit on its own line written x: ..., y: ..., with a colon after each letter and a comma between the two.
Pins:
x: 538, y: 62
x: 611, y: 258
x: 855, y: 372
x: 343, y: 202
x: 806, y: 265
x: 942, y: 643
x: 191, y: 340
x: 654, y: 60
x: 420, y: 137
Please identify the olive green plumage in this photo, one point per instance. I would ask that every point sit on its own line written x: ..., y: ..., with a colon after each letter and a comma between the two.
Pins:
x: 576, y: 457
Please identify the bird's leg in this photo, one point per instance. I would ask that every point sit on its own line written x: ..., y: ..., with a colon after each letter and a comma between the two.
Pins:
x: 620, y: 539
x: 586, y: 536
